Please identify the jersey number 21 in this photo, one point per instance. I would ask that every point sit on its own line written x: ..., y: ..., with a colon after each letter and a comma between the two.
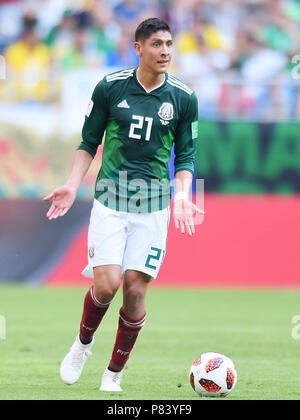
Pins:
x: 139, y: 125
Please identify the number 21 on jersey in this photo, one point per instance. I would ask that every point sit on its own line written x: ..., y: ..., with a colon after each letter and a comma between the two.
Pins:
x: 136, y: 127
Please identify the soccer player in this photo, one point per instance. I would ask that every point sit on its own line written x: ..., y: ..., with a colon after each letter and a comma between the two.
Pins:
x: 144, y: 111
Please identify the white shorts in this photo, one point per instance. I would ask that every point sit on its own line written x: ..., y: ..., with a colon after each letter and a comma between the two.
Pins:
x: 135, y: 241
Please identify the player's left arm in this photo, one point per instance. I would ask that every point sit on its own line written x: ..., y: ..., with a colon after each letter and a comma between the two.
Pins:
x: 184, y: 210
x: 186, y: 138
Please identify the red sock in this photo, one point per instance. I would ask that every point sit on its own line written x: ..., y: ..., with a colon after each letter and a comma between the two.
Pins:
x: 93, y: 312
x: 126, y: 336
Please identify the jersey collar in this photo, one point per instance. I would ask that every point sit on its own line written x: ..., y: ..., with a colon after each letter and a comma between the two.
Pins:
x: 143, y: 87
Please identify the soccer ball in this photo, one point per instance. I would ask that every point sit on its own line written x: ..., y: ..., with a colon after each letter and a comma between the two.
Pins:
x: 213, y: 375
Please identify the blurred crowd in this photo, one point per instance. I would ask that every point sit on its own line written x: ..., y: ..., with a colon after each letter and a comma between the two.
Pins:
x: 237, y: 54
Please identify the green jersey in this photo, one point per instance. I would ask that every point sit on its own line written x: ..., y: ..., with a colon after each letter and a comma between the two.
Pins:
x: 140, y: 129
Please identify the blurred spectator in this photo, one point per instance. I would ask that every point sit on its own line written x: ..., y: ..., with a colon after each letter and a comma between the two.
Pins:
x: 201, y: 50
x: 105, y: 31
x: 60, y: 37
x: 180, y: 14
x: 129, y: 11
x: 11, y: 14
x: 233, y: 52
x: 124, y: 55
x: 81, y: 53
x: 48, y: 13
x: 74, y: 56
x: 28, y: 62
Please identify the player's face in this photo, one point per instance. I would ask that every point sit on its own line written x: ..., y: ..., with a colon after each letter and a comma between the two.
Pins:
x: 156, y: 51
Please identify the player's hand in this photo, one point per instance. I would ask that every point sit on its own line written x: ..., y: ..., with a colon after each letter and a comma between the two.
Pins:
x: 62, y: 200
x: 184, y: 211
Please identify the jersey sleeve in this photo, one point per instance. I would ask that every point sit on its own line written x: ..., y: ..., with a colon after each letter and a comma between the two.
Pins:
x: 95, y: 120
x: 186, y: 136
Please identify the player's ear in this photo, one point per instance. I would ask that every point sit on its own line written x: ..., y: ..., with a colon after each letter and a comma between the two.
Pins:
x: 137, y: 47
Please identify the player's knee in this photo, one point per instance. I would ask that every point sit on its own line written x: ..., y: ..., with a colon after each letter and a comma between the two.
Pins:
x: 104, y: 293
x: 134, y: 296
x: 134, y: 291
x: 106, y: 288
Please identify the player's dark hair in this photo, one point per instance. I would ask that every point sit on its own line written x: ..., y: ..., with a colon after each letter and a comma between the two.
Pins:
x: 149, y: 27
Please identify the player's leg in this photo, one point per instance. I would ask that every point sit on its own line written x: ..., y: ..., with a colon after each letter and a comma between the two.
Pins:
x: 97, y: 300
x: 107, y: 279
x: 135, y: 287
x: 131, y: 320
x: 106, y: 243
x: 144, y: 254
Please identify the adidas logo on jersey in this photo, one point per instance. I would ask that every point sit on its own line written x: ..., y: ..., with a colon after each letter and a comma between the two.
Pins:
x: 123, y: 104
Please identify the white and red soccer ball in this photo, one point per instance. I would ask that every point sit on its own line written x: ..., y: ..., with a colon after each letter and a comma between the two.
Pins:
x: 213, y: 375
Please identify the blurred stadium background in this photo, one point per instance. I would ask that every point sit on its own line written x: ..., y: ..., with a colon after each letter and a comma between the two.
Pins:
x: 242, y: 59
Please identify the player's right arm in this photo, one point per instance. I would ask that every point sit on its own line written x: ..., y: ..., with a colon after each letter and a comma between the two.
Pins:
x: 63, y: 197
x: 92, y: 133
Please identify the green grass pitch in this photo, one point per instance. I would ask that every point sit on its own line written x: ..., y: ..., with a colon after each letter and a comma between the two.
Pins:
x: 254, y: 328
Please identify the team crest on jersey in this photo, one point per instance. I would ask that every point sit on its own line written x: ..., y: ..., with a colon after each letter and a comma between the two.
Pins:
x: 166, y: 112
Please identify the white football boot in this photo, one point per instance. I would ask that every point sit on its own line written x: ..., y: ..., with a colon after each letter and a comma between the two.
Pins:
x: 72, y: 365
x: 111, y: 381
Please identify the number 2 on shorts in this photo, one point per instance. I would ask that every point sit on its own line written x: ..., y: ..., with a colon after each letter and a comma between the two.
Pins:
x: 155, y: 257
